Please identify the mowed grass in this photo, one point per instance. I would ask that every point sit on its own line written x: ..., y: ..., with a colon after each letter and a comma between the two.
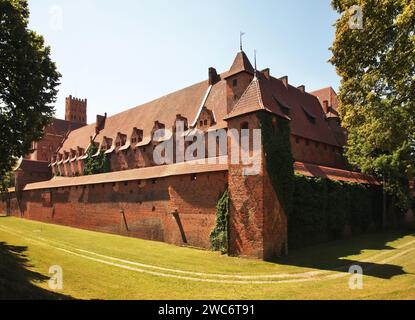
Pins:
x: 102, y: 266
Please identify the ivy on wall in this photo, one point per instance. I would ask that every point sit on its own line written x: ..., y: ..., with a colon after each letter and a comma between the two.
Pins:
x: 323, y: 208
x: 279, y: 160
x: 219, y: 235
x: 98, y: 164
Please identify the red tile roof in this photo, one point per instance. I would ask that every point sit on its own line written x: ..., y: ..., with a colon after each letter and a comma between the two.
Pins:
x: 32, y: 166
x: 188, y: 102
x: 253, y: 100
x: 312, y: 170
x: 61, y: 127
x: 133, y: 175
x: 306, y: 169
x: 240, y: 64
x: 327, y: 94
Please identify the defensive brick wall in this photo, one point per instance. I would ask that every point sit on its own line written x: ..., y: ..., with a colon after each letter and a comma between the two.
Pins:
x: 179, y: 210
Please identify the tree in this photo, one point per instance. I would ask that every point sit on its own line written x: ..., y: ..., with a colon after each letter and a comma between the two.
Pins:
x: 7, y: 181
x: 377, y: 94
x: 28, y: 84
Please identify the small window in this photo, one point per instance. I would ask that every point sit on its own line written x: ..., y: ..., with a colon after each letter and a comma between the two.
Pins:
x: 205, y: 122
x: 201, y: 123
x: 317, y: 145
x: 245, y: 125
x: 193, y: 177
x: 154, y: 181
x: 235, y: 82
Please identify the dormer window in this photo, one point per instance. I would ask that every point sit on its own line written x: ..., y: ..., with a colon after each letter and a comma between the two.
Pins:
x: 310, y: 116
x: 136, y: 136
x: 79, y: 152
x: 284, y: 108
x: 121, y: 140
x: 206, y: 119
x: 106, y: 144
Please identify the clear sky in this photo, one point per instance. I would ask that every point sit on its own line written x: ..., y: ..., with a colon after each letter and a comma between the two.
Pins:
x: 120, y: 54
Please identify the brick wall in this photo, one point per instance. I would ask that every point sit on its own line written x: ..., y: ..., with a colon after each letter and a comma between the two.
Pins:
x: 178, y: 210
x: 258, y: 224
x: 314, y: 152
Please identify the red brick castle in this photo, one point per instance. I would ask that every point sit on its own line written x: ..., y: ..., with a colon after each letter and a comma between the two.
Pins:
x: 176, y: 203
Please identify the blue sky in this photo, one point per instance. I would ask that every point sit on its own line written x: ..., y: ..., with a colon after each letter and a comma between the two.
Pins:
x: 120, y: 54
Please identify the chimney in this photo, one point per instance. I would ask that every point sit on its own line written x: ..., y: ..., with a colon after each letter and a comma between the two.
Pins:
x: 213, y: 76
x: 266, y: 72
x: 301, y: 88
x: 100, y: 124
x: 285, y: 81
x: 325, y: 106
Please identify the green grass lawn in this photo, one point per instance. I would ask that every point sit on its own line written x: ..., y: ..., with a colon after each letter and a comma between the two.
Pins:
x: 102, y: 266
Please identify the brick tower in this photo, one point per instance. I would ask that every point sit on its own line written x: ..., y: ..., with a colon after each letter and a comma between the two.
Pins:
x: 75, y: 110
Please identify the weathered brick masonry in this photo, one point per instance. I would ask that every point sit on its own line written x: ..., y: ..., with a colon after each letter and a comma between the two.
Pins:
x: 176, y: 203
x: 179, y: 209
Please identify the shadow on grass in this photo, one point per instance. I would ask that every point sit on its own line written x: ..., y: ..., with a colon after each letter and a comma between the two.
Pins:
x: 17, y: 281
x: 338, y: 255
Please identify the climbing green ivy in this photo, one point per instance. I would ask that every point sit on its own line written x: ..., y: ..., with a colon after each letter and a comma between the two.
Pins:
x: 219, y: 235
x: 98, y: 164
x: 322, y: 209
x: 279, y: 160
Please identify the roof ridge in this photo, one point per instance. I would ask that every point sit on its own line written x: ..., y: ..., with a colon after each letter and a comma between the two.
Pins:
x: 256, y: 79
x: 257, y: 90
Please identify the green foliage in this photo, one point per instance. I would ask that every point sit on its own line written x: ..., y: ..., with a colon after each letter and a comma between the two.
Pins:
x: 322, y: 209
x: 98, y: 164
x: 279, y: 159
x: 28, y: 84
x: 377, y: 93
x: 219, y: 236
x: 7, y: 181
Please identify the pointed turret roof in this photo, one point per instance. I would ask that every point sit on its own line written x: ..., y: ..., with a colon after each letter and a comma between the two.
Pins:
x: 240, y: 64
x: 255, y: 98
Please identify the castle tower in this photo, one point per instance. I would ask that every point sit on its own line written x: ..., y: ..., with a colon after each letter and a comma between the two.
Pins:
x: 75, y: 110
x: 238, y: 79
x: 258, y: 221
